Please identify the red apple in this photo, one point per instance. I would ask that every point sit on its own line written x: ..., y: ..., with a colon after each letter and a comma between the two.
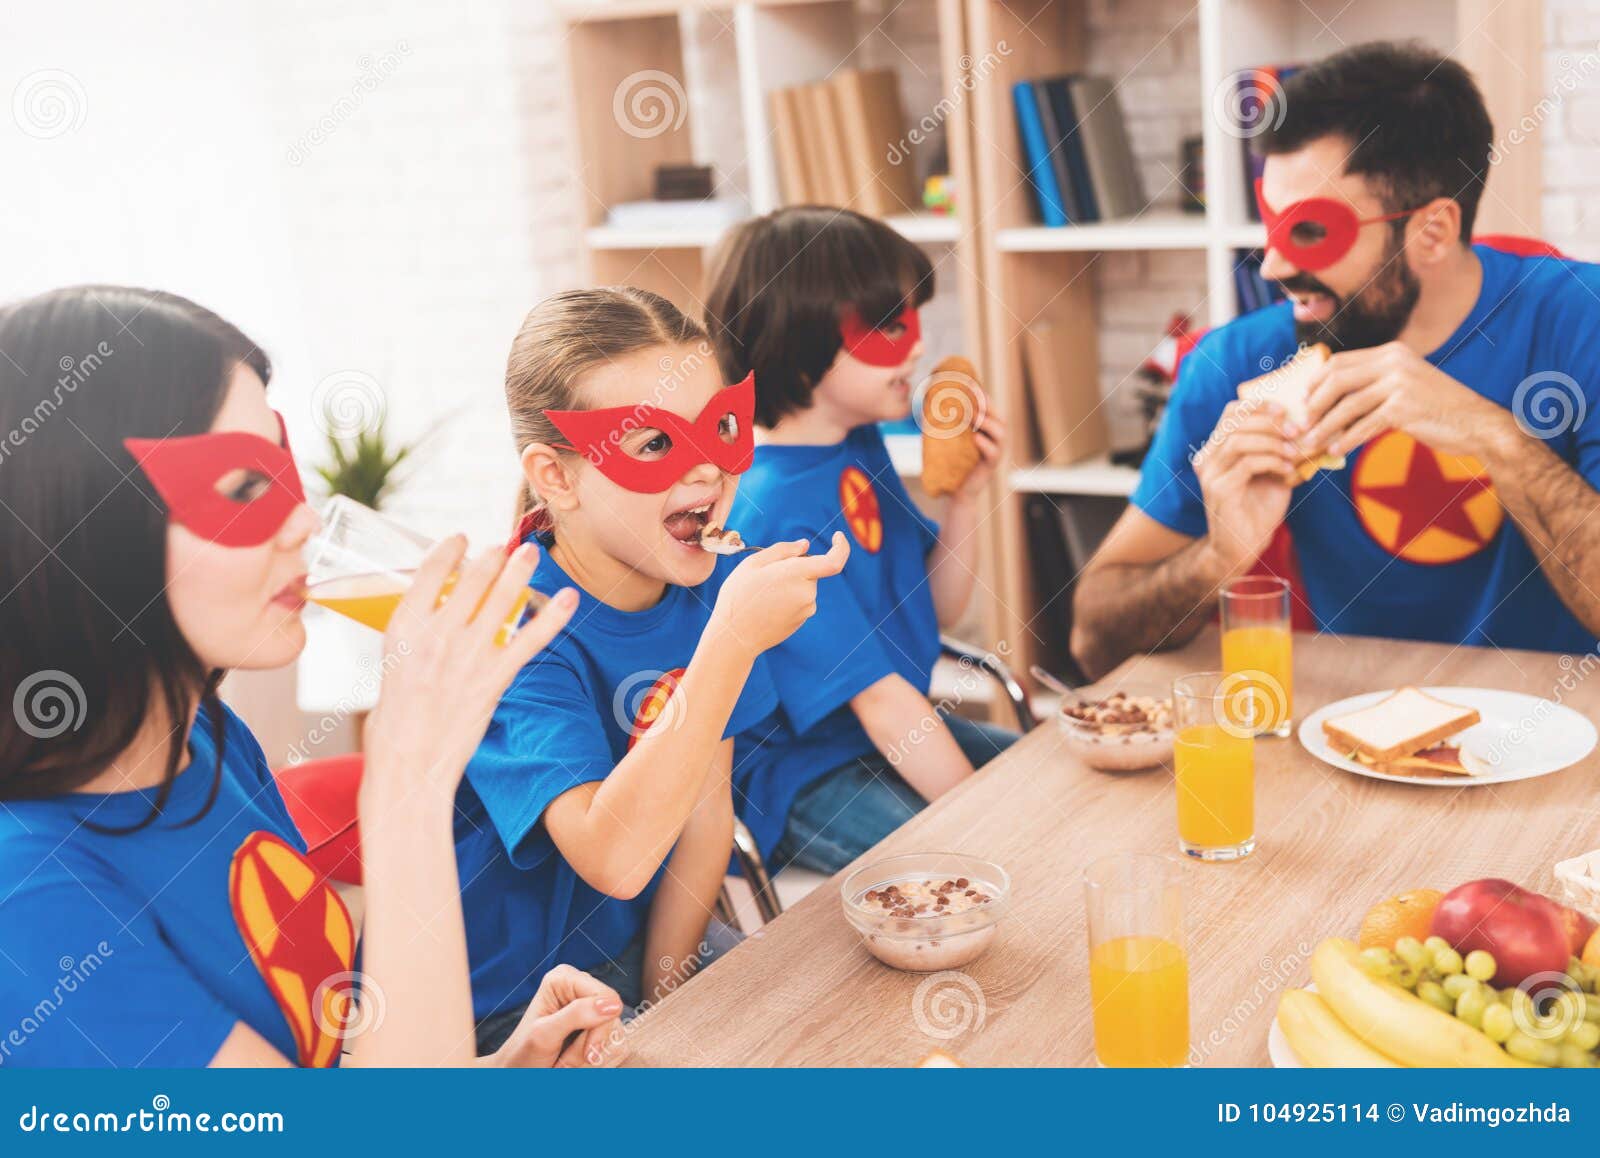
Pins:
x: 1580, y: 927
x: 1525, y: 931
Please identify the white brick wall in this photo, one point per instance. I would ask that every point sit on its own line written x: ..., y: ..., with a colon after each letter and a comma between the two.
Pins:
x: 1571, y: 135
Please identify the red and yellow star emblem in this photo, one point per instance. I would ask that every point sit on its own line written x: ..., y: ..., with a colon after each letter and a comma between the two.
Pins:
x: 300, y: 936
x: 653, y: 704
x: 1422, y: 506
x: 859, y: 502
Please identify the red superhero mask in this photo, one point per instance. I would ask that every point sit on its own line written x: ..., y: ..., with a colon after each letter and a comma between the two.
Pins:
x: 873, y: 346
x: 1314, y: 233
x: 721, y: 434
x: 187, y: 473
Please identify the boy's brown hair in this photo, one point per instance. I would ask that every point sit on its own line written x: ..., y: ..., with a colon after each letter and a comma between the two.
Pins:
x: 779, y: 284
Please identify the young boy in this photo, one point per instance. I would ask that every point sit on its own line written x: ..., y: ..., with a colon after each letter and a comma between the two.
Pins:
x: 821, y: 304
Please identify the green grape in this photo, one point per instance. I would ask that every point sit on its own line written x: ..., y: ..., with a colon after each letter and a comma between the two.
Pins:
x: 1471, y: 1006
x: 1573, y: 1058
x: 1591, y: 1007
x: 1498, y: 1024
x: 1433, y: 993
x: 1410, y: 950
x: 1568, y: 1008
x: 1585, y: 1035
x: 1436, y: 944
x: 1523, y: 1008
x: 1447, y: 961
x: 1524, y: 1048
x: 1406, y: 976
x: 1455, y: 984
x: 1378, y: 963
x: 1481, y: 965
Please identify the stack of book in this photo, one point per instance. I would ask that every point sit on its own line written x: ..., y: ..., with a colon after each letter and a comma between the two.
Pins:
x: 1075, y: 150
x: 842, y: 142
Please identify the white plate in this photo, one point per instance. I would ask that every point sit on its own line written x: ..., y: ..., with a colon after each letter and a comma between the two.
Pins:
x: 1279, y: 1051
x: 1519, y: 737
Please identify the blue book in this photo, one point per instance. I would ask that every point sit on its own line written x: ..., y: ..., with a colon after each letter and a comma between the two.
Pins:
x: 1071, y: 148
x: 1055, y: 138
x: 1036, y: 155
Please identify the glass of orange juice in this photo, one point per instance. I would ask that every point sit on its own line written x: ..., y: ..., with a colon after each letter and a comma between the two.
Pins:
x: 1214, y: 755
x: 1138, y: 970
x: 1257, y: 650
x: 361, y: 564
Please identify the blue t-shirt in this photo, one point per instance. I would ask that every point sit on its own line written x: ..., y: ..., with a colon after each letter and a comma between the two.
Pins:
x: 146, y: 948
x: 567, y: 719
x: 874, y: 620
x: 1404, y: 542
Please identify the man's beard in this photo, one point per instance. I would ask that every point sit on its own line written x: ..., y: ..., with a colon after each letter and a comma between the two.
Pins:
x: 1375, y: 315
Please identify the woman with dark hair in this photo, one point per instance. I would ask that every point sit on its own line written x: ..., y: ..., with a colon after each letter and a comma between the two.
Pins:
x: 155, y: 905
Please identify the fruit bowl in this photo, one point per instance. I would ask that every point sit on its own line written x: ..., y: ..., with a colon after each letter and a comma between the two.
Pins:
x: 1486, y: 975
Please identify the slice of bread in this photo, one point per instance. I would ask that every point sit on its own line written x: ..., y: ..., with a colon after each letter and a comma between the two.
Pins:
x: 1287, y: 387
x: 1401, y: 724
x: 952, y: 406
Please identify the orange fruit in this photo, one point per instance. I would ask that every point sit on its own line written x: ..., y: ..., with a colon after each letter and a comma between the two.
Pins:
x: 1591, y: 951
x: 1408, y: 915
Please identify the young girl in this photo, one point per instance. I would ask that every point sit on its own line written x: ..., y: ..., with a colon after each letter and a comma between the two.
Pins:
x: 156, y: 908
x: 596, y: 819
x: 821, y: 304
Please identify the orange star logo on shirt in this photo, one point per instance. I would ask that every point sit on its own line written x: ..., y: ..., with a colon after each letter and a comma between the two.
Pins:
x: 859, y: 502
x: 654, y: 704
x: 1423, y: 506
x: 300, y: 936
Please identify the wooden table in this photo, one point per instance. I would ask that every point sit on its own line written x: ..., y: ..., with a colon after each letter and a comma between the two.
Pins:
x: 803, y: 991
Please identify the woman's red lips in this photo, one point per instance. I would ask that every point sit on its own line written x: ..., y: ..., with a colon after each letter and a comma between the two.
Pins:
x: 293, y: 593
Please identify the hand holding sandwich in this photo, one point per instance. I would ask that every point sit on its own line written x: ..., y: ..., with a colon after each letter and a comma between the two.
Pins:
x: 1246, y: 471
x: 1359, y: 394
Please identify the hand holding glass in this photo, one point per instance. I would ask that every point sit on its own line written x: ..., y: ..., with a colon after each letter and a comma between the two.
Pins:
x: 361, y: 564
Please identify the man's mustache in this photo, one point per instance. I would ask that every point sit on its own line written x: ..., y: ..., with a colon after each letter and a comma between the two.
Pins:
x: 1306, y: 284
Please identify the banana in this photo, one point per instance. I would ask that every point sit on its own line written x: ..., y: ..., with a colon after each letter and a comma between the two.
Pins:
x: 1395, y: 1022
x: 1320, y: 1040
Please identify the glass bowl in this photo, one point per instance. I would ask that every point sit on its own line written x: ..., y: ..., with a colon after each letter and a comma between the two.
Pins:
x: 939, y: 936
x: 1120, y: 745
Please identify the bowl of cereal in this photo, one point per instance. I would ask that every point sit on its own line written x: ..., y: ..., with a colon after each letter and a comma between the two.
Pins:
x: 927, y: 911
x: 1120, y: 733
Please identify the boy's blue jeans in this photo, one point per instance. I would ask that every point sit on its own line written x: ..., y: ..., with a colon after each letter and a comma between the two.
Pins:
x: 840, y: 815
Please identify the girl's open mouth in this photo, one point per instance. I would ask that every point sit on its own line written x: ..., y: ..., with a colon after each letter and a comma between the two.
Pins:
x: 686, y: 525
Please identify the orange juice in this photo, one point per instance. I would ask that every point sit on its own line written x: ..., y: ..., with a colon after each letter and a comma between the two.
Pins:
x: 370, y: 599
x: 1216, y: 790
x: 1139, y: 987
x: 1265, y: 649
